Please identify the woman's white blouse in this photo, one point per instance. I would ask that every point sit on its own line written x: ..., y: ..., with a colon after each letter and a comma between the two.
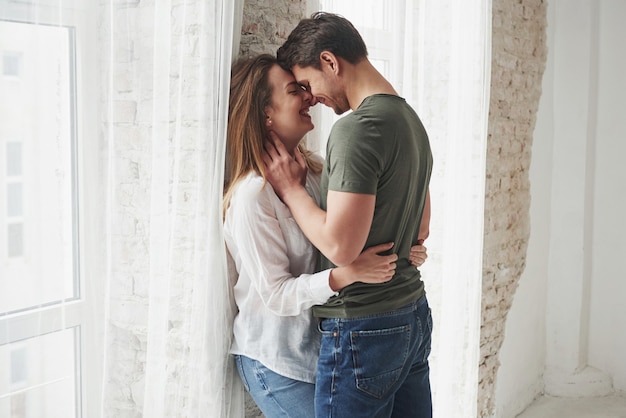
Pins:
x: 275, y: 289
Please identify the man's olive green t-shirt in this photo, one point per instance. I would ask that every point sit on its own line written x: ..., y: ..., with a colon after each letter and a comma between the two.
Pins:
x: 381, y: 148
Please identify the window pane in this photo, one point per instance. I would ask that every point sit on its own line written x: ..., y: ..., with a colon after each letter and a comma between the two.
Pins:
x: 15, y: 244
x: 14, y: 200
x: 18, y: 366
x: 37, y: 173
x: 43, y: 377
x: 14, y: 159
x: 11, y: 64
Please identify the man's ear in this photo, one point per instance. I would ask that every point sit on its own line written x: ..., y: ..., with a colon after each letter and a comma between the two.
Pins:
x: 329, y: 62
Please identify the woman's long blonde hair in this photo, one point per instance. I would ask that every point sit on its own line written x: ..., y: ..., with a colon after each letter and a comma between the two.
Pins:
x: 250, y: 94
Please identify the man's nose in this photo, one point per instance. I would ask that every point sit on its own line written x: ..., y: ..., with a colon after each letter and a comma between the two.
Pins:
x: 312, y: 99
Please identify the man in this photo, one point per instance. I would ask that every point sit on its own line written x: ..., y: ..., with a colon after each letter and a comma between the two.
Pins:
x: 375, y: 338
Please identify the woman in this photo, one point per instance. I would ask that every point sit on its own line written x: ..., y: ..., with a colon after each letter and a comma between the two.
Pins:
x: 276, y: 343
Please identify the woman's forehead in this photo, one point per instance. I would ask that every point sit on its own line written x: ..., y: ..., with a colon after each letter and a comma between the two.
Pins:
x: 281, y: 78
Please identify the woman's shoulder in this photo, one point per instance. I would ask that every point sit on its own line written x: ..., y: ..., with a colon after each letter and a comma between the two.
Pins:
x: 251, y: 191
x: 250, y: 182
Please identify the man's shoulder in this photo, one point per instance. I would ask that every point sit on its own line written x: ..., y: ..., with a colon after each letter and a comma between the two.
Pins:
x: 382, y: 103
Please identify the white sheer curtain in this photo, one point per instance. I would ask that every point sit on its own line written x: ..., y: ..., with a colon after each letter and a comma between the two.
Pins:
x: 452, y: 61
x: 437, y: 54
x: 167, y: 304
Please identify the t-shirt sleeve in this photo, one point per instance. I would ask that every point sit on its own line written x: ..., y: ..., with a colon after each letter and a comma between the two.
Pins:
x: 355, y: 159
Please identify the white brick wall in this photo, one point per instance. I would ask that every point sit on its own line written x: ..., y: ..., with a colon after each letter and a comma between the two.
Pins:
x: 519, y: 56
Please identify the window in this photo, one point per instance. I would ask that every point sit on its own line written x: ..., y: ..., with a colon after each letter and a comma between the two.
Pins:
x: 46, y: 313
x: 38, y: 387
x: 40, y: 210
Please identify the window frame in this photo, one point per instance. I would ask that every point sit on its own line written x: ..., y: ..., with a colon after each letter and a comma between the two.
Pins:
x: 84, y: 313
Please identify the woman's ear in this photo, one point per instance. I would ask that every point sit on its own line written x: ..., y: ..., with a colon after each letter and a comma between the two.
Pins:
x: 268, y: 117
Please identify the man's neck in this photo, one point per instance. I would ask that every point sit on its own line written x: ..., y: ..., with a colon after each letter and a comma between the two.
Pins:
x: 364, y: 80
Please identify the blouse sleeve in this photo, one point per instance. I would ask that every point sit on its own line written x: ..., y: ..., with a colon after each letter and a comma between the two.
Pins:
x: 258, y: 244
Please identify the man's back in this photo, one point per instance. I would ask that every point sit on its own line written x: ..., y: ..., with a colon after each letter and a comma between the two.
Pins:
x: 381, y: 149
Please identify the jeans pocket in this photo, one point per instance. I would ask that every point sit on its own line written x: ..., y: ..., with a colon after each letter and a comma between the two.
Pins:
x: 379, y: 357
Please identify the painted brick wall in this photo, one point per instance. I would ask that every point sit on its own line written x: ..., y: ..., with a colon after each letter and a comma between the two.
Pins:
x: 267, y: 23
x: 519, y: 56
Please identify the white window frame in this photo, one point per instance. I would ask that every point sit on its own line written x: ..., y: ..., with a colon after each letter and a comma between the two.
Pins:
x: 84, y: 314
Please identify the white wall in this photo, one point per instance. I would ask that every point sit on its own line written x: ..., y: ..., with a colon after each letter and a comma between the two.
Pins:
x: 565, y: 331
x: 607, y: 334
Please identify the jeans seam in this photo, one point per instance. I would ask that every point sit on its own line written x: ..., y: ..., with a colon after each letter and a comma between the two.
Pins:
x: 429, y: 327
x: 260, y: 376
x: 242, y: 373
x: 333, y: 387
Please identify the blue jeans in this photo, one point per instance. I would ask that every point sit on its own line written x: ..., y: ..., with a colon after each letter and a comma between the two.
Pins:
x: 275, y: 395
x: 376, y: 366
